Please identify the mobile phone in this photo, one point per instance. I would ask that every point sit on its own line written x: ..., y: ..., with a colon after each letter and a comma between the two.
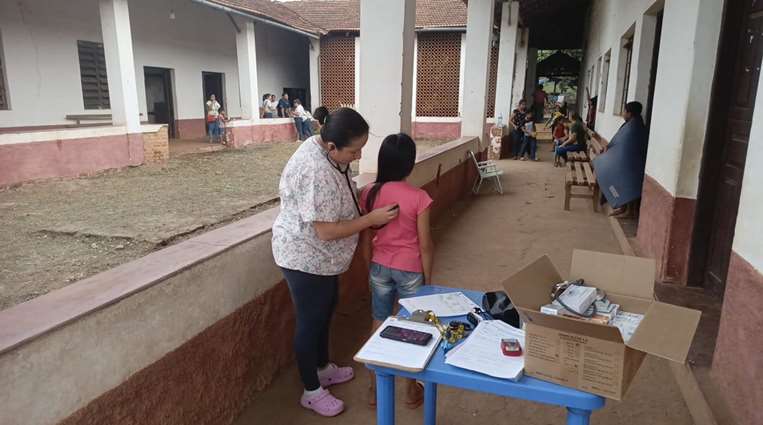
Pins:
x: 395, y: 207
x: 510, y: 347
x: 406, y: 335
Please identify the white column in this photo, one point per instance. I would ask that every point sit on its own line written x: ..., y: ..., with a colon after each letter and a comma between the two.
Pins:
x: 386, y: 71
x: 506, y: 53
x: 315, y: 73
x: 246, y: 54
x: 461, y: 68
x: 531, y: 80
x: 120, y: 66
x: 479, y: 31
x: 520, y: 67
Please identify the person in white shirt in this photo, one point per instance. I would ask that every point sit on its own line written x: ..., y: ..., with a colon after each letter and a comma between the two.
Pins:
x: 303, y: 120
x: 213, y: 108
x: 271, y: 106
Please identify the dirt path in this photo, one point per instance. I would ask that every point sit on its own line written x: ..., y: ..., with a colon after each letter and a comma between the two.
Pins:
x: 58, y: 232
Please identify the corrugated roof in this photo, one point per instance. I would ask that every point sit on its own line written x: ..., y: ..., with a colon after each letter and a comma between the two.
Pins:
x: 344, y: 15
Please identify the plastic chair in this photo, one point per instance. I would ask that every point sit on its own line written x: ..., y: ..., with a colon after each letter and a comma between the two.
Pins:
x: 486, y: 170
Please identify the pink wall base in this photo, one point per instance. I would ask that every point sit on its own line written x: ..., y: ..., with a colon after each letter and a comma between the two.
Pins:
x: 22, y: 162
x: 242, y: 136
x: 437, y: 130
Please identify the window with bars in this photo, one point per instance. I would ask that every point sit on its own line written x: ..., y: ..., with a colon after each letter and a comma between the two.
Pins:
x: 92, y: 69
x: 438, y: 69
x: 4, y: 103
x: 627, y: 53
x: 337, y: 71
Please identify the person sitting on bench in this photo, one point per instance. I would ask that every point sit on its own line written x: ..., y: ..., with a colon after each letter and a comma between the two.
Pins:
x: 620, y: 169
x: 576, y: 139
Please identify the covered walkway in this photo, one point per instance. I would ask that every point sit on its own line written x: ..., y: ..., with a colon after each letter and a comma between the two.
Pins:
x: 477, y: 246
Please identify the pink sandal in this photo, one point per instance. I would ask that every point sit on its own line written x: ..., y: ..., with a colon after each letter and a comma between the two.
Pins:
x: 323, y: 403
x: 334, y: 374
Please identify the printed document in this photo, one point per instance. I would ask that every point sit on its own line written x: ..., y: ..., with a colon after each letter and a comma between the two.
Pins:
x: 443, y: 305
x: 399, y: 355
x: 481, y: 352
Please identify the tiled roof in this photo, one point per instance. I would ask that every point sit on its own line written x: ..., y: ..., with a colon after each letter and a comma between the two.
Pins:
x: 344, y: 15
x: 273, y: 11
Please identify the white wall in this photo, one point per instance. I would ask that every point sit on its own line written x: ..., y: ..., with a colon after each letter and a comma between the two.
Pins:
x: 686, y: 65
x: 749, y: 226
x: 40, y: 45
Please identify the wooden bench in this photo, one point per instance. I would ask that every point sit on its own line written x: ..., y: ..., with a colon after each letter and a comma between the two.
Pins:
x: 580, y: 174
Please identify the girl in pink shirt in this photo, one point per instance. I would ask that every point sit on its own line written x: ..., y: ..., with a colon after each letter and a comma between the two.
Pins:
x: 402, y: 249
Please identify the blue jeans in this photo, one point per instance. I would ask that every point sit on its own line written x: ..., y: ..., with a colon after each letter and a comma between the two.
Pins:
x: 214, y: 129
x: 385, y: 283
x: 517, y: 140
x: 530, y: 146
x: 304, y: 128
x: 562, y: 150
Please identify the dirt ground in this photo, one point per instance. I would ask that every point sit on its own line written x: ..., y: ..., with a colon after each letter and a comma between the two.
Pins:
x: 57, y: 232
x: 476, y: 248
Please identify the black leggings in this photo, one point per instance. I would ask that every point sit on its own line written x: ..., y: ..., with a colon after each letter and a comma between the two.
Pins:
x: 314, y: 300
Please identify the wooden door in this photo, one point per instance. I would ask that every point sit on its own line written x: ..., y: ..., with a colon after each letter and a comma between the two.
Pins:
x: 722, y: 182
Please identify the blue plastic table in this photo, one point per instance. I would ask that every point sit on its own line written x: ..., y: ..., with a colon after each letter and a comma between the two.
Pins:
x: 579, y: 404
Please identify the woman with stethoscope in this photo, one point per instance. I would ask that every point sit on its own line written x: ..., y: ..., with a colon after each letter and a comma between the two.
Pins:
x: 314, y: 240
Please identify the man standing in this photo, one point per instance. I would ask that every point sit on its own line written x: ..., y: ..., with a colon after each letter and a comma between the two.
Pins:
x: 539, y: 103
x: 284, y: 108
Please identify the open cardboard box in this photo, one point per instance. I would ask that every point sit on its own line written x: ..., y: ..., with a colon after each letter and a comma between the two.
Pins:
x: 590, y: 356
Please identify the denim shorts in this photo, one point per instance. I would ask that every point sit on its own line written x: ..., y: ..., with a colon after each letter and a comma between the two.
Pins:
x: 386, y: 284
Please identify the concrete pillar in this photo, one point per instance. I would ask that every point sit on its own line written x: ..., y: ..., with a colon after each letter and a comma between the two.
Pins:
x: 315, y: 73
x: 246, y: 54
x: 479, y: 32
x: 531, y: 79
x: 386, y: 71
x: 641, y: 61
x: 520, y: 67
x: 120, y: 66
x: 357, y: 71
x: 506, y: 53
x: 415, y: 76
x: 461, y: 68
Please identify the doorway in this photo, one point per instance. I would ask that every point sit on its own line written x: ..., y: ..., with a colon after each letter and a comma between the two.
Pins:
x: 213, y: 83
x: 301, y: 94
x: 160, y: 107
x: 733, y: 101
x: 653, y: 69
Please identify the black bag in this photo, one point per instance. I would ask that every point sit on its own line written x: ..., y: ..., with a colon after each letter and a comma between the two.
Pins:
x: 498, y: 304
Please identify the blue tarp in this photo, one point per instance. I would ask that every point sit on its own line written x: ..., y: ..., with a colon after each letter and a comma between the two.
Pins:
x: 620, y: 170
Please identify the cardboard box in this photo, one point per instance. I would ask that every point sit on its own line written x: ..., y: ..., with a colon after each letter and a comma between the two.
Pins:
x: 589, y: 356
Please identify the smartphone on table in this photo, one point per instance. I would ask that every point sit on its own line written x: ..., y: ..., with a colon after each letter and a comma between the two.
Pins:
x: 409, y: 336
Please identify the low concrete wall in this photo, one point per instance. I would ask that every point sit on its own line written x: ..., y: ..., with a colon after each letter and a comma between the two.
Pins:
x: 39, y: 155
x: 188, y: 334
x: 247, y: 132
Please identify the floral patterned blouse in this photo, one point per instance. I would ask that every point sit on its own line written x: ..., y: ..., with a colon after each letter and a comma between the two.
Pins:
x: 311, y: 190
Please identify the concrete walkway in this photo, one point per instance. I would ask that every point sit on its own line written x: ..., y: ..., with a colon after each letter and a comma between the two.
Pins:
x: 477, y: 247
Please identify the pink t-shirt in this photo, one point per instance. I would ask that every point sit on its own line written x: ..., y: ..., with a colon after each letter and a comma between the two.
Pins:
x: 396, y: 245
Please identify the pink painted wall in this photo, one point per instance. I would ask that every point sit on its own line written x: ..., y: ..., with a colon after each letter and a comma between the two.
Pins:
x: 248, y: 135
x: 22, y: 162
x: 437, y: 130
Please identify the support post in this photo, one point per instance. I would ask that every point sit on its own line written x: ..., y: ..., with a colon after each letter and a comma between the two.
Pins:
x: 520, y: 67
x: 386, y: 71
x: 246, y: 54
x: 120, y: 65
x: 315, y: 76
x: 479, y: 32
x: 506, y: 56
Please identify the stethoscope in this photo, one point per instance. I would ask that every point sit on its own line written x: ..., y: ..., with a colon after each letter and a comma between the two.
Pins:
x: 346, y: 173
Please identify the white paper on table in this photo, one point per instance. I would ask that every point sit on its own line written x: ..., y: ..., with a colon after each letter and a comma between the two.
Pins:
x: 399, y: 355
x: 481, y: 352
x: 443, y: 305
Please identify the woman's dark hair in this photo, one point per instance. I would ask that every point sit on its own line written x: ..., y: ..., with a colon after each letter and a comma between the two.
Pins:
x: 634, y: 108
x: 343, y: 125
x: 296, y: 102
x: 266, y: 96
x: 320, y: 114
x: 397, y: 156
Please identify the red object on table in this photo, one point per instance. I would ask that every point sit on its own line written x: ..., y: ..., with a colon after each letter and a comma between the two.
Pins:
x: 510, y: 347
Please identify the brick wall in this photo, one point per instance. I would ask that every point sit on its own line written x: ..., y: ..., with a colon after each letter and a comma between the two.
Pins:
x: 156, y: 147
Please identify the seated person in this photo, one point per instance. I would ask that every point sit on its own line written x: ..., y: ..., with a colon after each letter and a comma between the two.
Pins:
x: 620, y: 169
x: 576, y: 139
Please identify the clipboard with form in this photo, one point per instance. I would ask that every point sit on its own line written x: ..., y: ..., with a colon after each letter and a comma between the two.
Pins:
x: 399, y: 355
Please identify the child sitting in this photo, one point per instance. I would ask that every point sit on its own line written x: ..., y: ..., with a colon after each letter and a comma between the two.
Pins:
x: 403, y: 249
x: 222, y: 127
